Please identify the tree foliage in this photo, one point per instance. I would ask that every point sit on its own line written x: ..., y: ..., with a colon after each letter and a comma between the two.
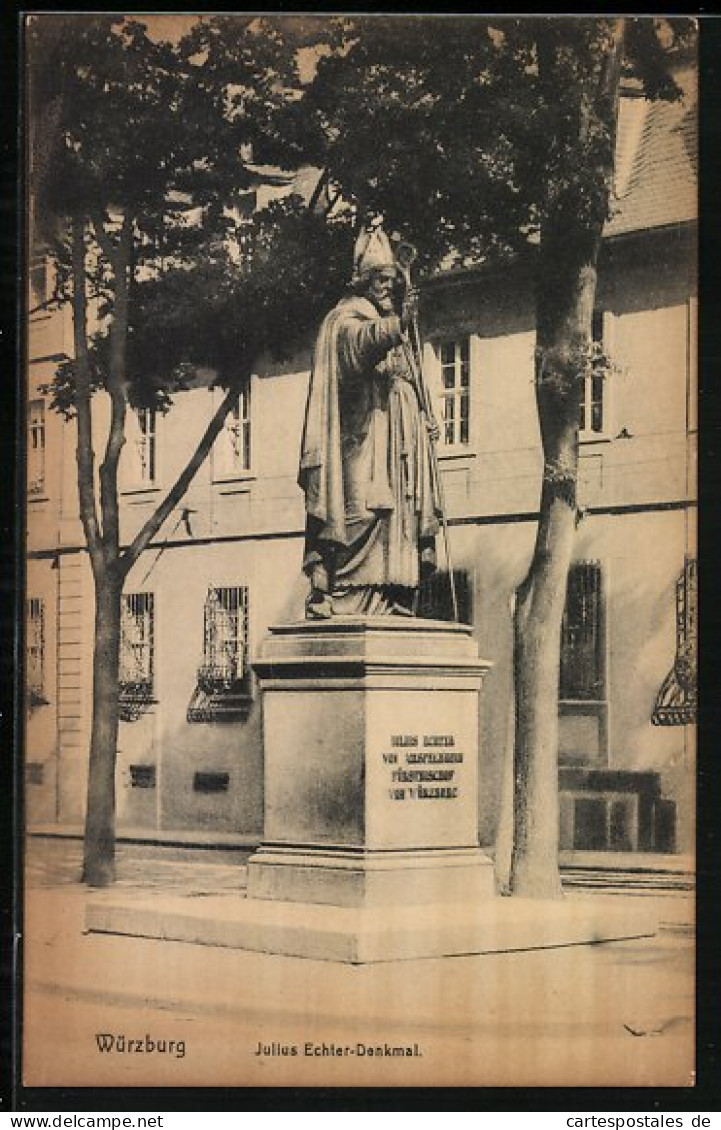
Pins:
x: 454, y: 129
x: 174, y: 136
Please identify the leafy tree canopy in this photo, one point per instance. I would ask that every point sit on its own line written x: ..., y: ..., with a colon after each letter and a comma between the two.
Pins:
x: 175, y: 135
x: 468, y: 133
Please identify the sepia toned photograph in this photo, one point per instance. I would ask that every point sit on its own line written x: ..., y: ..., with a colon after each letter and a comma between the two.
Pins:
x: 360, y: 642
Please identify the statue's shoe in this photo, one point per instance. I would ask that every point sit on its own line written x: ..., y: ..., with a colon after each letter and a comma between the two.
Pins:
x: 400, y: 610
x: 319, y: 609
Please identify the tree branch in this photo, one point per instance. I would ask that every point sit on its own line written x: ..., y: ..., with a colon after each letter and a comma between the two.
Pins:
x: 610, y: 90
x: 320, y: 186
x: 85, y: 455
x: 107, y: 246
x: 42, y: 306
x: 176, y: 492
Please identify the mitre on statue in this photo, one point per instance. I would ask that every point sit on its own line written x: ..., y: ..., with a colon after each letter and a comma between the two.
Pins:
x: 372, y: 251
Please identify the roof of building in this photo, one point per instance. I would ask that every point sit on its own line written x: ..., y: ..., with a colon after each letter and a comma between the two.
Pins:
x: 656, y: 180
x: 657, y: 163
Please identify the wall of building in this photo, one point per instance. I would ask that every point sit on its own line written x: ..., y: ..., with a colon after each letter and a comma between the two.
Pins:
x: 636, y: 481
x: 179, y: 580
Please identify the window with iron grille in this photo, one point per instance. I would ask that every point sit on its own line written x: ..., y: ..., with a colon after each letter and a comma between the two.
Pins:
x: 137, y: 648
x: 36, y: 446
x: 232, y: 451
x: 146, y: 446
x: 677, y: 700
x: 225, y: 664
x: 583, y: 642
x: 592, y: 422
x: 435, y: 601
x: 35, y: 651
x: 454, y: 359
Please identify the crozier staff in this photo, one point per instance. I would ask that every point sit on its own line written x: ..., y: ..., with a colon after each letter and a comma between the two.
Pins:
x: 370, y: 482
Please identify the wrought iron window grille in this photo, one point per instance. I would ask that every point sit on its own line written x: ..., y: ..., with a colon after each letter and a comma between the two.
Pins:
x: 677, y: 700
x: 224, y: 690
x: 35, y: 655
x: 137, y: 656
x: 583, y: 637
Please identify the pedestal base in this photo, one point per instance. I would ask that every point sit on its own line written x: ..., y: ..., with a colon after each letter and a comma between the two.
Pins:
x: 342, y: 877
x: 363, y: 936
x: 370, y: 732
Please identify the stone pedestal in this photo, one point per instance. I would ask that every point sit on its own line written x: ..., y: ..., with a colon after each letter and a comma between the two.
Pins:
x: 371, y: 734
x: 371, y: 794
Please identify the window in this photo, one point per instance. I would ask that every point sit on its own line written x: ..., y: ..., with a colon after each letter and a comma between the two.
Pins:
x: 35, y: 652
x: 224, y: 688
x: 455, y: 392
x: 583, y: 635
x: 676, y: 702
x: 225, y: 647
x: 36, y: 447
x: 614, y: 810
x: 39, y: 281
x: 605, y: 823
x: 435, y: 601
x: 204, y: 782
x: 232, y: 448
x: 143, y: 776
x: 593, y: 408
x: 137, y: 654
x: 35, y: 772
x: 146, y: 447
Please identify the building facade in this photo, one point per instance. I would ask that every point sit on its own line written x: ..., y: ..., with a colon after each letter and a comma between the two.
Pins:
x: 227, y: 563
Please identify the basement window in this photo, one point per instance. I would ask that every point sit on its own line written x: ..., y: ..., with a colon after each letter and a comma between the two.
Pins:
x: 204, y: 782
x: 35, y: 772
x: 142, y: 776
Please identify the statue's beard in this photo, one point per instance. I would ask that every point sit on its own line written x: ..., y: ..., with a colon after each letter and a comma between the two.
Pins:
x: 384, y: 305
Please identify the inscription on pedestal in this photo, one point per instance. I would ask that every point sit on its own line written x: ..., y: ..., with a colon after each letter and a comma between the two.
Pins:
x: 366, y: 724
x: 424, y: 770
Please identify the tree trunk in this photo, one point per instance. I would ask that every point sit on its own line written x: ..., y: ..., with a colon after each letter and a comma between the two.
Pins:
x: 565, y: 296
x: 99, y: 856
x: 563, y: 333
x: 536, y: 661
x: 110, y: 568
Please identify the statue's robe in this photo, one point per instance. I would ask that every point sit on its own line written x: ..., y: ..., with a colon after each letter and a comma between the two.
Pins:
x: 366, y: 466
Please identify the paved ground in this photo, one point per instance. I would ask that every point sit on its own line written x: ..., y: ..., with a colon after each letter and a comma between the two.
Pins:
x: 613, y: 1014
